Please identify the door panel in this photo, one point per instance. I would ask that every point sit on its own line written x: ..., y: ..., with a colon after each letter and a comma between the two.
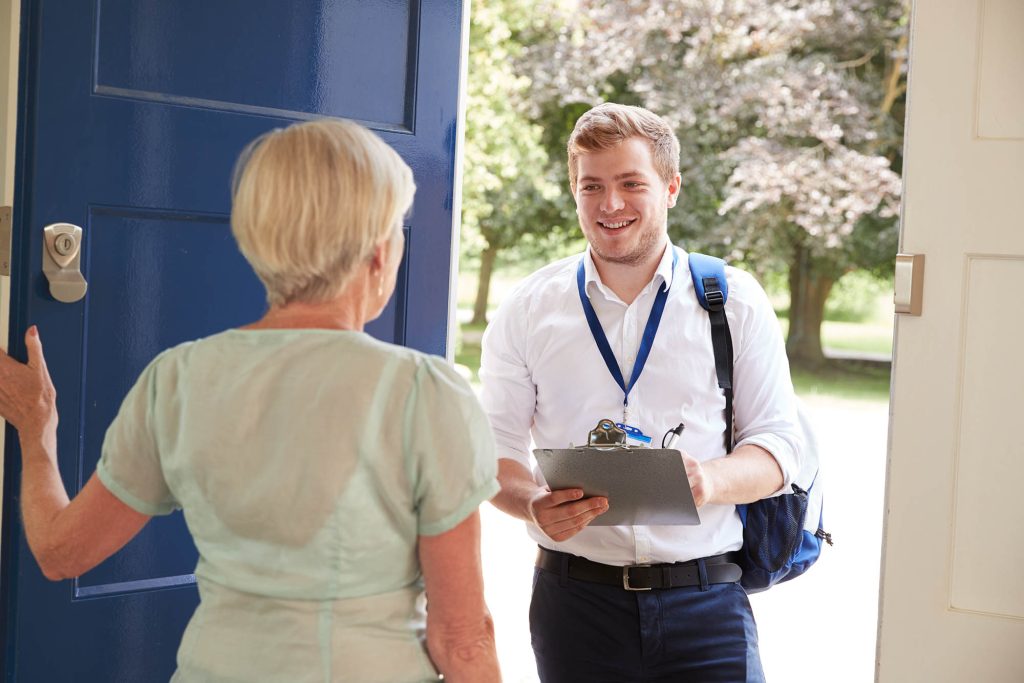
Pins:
x: 131, y: 117
x: 952, y: 603
x: 141, y: 54
x: 138, y: 305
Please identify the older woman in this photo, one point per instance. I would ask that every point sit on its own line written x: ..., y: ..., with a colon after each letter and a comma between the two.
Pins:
x: 325, y: 476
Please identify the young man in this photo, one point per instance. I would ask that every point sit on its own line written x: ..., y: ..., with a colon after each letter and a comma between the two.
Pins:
x: 543, y: 374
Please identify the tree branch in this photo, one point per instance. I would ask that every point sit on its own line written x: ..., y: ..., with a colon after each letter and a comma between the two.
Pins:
x: 893, y: 87
x: 860, y: 61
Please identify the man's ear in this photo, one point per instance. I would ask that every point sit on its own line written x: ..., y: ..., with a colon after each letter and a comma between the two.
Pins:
x: 674, y: 186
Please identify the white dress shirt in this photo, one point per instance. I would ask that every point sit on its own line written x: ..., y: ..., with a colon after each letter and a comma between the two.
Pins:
x: 544, y: 376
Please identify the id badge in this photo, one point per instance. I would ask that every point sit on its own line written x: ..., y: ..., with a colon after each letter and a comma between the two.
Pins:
x: 634, y: 435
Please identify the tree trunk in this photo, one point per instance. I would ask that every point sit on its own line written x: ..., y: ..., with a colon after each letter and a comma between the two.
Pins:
x: 483, y: 286
x: 808, y: 290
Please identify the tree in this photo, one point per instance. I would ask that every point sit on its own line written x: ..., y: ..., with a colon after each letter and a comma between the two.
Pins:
x: 509, y: 195
x: 789, y: 116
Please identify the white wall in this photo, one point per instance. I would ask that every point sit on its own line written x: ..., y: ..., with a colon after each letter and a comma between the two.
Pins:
x: 9, y: 17
x: 10, y: 12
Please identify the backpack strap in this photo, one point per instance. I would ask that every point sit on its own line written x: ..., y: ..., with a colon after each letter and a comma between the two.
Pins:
x: 712, y: 290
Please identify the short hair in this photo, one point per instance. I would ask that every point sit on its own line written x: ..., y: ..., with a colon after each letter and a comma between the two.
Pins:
x: 609, y: 124
x: 310, y: 202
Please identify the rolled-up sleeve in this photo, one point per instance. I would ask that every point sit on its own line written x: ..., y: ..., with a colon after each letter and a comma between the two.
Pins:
x: 765, y: 403
x: 129, y: 465
x: 449, y: 448
x: 509, y: 395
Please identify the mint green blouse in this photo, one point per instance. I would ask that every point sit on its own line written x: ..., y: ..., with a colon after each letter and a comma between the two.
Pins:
x: 307, y: 463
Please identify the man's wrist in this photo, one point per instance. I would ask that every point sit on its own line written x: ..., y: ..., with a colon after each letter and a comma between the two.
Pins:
x: 518, y: 490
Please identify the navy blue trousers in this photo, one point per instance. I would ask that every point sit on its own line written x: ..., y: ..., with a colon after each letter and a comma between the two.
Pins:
x: 603, y: 634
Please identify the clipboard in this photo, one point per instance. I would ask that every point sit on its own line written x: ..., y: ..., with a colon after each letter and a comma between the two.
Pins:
x: 646, y: 486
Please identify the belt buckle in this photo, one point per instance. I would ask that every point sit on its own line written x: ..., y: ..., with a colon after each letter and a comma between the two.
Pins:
x: 625, y: 577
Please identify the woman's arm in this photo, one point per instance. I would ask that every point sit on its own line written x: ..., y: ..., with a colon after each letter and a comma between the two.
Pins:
x: 67, y: 538
x: 460, y: 632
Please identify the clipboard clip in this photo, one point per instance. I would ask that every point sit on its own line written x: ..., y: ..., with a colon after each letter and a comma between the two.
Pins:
x: 606, y: 433
x: 609, y: 436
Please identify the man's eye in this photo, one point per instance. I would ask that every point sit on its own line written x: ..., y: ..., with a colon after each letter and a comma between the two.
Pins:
x: 634, y: 186
x: 590, y: 188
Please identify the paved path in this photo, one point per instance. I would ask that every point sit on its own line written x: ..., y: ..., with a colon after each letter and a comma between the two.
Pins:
x: 818, y: 628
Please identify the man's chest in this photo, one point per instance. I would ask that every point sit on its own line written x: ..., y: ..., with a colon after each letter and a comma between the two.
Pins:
x: 570, y: 372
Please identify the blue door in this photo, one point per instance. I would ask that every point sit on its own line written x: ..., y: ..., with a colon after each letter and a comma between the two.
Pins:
x: 131, y: 114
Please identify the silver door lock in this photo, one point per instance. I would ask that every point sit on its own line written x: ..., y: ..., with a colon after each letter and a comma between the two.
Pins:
x: 61, y: 260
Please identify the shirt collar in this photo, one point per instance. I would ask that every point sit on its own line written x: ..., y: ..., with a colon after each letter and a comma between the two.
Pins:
x: 663, y: 274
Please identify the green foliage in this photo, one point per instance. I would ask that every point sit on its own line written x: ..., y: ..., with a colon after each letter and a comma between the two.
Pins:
x: 855, y: 297
x: 789, y: 116
x: 510, y: 195
x: 787, y: 113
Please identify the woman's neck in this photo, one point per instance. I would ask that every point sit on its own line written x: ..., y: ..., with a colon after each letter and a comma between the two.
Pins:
x: 345, y: 312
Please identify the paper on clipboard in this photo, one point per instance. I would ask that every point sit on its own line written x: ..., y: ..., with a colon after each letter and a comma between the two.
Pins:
x: 646, y: 486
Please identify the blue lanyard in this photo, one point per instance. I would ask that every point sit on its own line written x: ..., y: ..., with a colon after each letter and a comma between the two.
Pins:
x: 650, y: 331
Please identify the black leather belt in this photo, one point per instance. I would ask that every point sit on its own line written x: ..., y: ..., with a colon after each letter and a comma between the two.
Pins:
x: 719, y: 569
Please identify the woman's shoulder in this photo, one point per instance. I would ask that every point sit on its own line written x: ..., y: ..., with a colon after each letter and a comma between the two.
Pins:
x: 414, y: 358
x: 430, y: 373
x: 236, y: 351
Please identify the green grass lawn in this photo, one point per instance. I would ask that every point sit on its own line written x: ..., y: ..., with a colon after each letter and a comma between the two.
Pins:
x: 467, y: 349
x: 845, y: 379
x: 855, y: 380
x: 869, y: 337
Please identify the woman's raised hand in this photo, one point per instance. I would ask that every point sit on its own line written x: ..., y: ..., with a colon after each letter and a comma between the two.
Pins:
x: 27, y: 397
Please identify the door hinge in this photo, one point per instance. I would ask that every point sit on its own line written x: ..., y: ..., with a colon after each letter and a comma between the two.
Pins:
x: 5, y: 240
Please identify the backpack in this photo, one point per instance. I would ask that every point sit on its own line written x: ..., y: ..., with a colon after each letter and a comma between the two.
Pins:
x: 782, y: 535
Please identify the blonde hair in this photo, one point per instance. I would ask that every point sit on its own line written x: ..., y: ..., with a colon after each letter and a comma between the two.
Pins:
x: 609, y: 124
x: 310, y: 202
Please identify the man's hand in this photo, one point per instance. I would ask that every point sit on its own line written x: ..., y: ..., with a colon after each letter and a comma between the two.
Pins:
x: 701, y: 484
x: 747, y: 474
x: 27, y: 397
x: 562, y: 514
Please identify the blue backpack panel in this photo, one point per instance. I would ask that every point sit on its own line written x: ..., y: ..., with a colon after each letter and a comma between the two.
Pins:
x: 782, y: 535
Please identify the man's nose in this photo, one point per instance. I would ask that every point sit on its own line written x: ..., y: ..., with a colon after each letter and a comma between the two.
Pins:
x: 612, y: 202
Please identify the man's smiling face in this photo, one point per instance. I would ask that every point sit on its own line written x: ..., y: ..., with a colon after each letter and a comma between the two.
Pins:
x: 623, y: 203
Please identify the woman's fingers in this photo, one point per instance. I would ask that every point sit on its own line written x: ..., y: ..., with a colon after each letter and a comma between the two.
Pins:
x: 27, y: 396
x: 34, y: 346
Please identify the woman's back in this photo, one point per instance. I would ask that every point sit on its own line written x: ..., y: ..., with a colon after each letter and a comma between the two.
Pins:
x: 307, y: 463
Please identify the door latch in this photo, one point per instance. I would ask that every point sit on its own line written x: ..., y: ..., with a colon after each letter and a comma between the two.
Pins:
x: 909, y: 284
x: 61, y: 259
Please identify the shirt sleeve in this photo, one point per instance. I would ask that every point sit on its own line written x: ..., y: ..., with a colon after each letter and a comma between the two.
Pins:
x: 765, y: 403
x: 509, y: 395
x: 450, y: 447
x: 129, y: 463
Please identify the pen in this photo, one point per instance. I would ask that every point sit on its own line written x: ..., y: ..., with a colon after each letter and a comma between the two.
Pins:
x: 672, y: 435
